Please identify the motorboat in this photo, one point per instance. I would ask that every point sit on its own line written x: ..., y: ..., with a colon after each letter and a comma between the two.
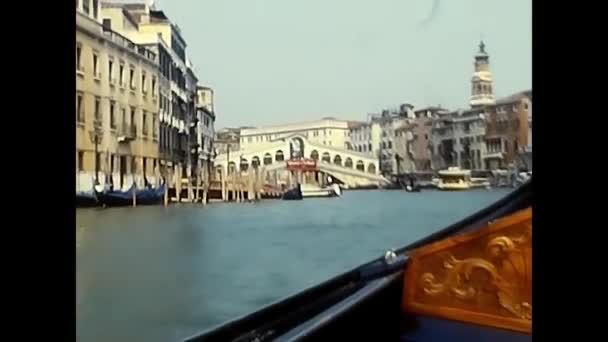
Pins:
x: 312, y: 190
x: 454, y: 178
x: 471, y: 281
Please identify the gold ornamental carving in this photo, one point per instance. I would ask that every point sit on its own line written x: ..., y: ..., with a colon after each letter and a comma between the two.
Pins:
x: 483, y: 277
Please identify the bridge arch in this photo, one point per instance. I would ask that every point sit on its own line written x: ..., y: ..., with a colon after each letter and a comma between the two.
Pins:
x: 255, y: 162
x: 244, y: 165
x: 338, y: 160
x: 326, y: 158
x: 348, y: 163
x: 314, y: 155
x: 360, y: 165
x: 278, y: 156
x: 267, y: 159
x: 371, y: 168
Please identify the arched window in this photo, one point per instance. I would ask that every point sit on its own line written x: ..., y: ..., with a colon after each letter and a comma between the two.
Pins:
x: 279, y: 156
x: 231, y: 168
x: 314, y: 155
x: 360, y: 165
x: 244, y: 165
x: 338, y: 160
x: 267, y: 159
x: 326, y: 158
x: 371, y: 168
x: 255, y: 162
x: 348, y: 163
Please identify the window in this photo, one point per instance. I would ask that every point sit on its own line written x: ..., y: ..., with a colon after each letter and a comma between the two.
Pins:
x: 112, y: 156
x: 154, y: 129
x: 153, y: 86
x: 80, y: 160
x: 390, y: 144
x: 79, y: 107
x: 132, y: 115
x: 78, y: 57
x: 97, y: 108
x: 111, y: 71
x: 124, y: 116
x: 96, y: 72
x: 132, y: 78
x: 86, y: 7
x: 144, y: 123
x: 121, y: 75
x: 112, y: 114
x: 143, y: 83
x: 95, y: 8
x: 426, y: 137
x: 526, y: 105
x: 249, y: 139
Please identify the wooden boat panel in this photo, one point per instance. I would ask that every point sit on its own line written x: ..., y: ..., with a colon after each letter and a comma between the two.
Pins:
x: 482, y: 277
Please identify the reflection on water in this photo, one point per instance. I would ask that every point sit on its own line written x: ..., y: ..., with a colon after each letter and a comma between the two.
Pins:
x: 161, y: 274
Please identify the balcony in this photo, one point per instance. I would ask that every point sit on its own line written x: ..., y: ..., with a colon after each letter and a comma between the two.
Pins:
x: 97, y: 123
x: 127, y: 132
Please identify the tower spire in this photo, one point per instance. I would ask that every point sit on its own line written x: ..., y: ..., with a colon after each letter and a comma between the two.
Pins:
x: 481, y: 83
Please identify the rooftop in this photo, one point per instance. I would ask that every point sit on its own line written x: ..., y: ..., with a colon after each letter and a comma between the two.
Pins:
x: 515, y: 97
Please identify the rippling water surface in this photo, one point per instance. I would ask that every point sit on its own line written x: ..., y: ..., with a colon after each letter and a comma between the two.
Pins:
x: 162, y: 274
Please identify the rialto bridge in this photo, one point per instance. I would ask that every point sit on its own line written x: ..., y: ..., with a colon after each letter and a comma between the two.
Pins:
x: 276, y: 159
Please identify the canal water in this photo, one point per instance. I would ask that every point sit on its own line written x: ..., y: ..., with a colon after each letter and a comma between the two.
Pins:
x: 163, y: 274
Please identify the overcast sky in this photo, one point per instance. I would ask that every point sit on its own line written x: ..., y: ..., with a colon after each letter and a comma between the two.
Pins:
x: 280, y: 61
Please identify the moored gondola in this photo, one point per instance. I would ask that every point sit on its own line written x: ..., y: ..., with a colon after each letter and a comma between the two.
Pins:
x: 150, y: 196
x: 86, y: 199
x: 468, y: 282
x: 117, y: 198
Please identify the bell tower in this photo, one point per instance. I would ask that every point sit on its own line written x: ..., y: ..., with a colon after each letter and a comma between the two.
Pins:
x: 481, y: 84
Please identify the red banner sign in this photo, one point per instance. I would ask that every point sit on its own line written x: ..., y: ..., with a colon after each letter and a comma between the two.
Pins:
x: 302, y: 165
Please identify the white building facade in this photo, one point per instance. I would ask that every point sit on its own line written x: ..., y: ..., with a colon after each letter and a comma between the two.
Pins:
x: 328, y: 131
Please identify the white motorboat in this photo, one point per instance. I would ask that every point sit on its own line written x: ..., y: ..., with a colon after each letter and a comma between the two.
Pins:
x: 312, y: 190
x: 454, y: 178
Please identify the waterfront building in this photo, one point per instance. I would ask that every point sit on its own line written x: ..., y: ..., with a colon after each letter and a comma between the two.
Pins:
x: 508, y: 130
x: 151, y: 28
x: 117, y: 98
x: 193, y: 162
x: 327, y: 131
x: 404, y: 148
x: 205, y: 130
x: 389, y: 121
x: 227, y: 139
x: 457, y: 139
x: 365, y: 137
x: 421, y: 136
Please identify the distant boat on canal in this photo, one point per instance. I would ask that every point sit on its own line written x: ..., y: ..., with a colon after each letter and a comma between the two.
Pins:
x: 454, y: 178
x: 311, y: 190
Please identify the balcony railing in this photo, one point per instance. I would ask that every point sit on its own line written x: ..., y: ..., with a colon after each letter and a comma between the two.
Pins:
x: 127, y: 132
